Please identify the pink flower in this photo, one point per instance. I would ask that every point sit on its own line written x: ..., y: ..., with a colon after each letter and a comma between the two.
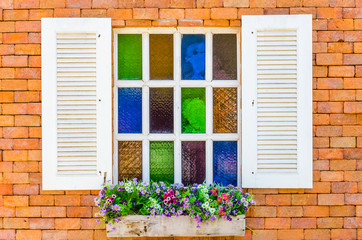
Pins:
x: 221, y: 212
x: 219, y: 200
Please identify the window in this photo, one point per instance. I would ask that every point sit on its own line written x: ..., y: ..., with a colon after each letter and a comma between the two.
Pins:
x: 178, y: 97
x: 177, y: 104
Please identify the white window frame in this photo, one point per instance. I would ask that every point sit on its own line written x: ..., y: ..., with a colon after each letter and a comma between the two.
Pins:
x: 177, y: 83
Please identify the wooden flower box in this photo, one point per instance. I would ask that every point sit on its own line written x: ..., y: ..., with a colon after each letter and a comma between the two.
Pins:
x: 160, y: 226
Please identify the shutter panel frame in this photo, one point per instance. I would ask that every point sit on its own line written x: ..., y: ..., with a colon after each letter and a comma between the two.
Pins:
x: 278, y: 26
x: 84, y: 35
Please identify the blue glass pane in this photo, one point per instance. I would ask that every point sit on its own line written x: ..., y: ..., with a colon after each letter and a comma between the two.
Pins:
x: 130, y: 110
x: 193, y: 57
x: 225, y: 162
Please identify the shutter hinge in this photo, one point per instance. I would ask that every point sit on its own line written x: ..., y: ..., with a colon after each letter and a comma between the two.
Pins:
x: 252, y: 103
x: 105, y: 177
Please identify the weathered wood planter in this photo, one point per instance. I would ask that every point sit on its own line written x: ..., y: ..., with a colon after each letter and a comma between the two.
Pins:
x: 158, y: 226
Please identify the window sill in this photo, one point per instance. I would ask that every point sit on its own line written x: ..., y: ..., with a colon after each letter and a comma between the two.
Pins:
x: 158, y: 226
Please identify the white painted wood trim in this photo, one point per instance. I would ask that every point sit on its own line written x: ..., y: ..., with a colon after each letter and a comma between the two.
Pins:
x: 159, y: 226
x: 102, y: 28
x: 177, y: 83
x: 302, y: 178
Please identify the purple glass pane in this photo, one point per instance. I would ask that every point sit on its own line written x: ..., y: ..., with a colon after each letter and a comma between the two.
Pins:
x: 161, y: 110
x: 224, y: 57
x: 225, y: 162
x: 193, y: 162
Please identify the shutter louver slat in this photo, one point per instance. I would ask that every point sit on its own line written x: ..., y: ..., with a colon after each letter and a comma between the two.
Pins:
x: 277, y: 103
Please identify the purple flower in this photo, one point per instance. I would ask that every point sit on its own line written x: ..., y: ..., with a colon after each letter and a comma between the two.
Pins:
x: 158, y: 190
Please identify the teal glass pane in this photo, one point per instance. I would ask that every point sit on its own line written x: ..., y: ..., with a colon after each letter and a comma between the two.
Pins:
x: 130, y: 56
x: 161, y: 161
x: 193, y: 110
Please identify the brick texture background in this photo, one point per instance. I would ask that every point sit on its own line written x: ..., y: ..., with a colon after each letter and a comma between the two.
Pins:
x: 331, y: 210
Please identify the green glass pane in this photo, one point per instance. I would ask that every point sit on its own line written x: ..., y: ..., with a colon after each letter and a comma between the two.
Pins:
x: 161, y: 161
x: 130, y: 56
x: 193, y: 110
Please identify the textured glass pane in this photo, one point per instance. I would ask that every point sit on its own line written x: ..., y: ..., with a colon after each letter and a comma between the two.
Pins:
x: 130, y: 56
x: 129, y: 160
x: 130, y: 110
x: 193, y: 110
x: 225, y: 110
x: 225, y: 162
x: 193, y: 162
x: 161, y: 110
x: 193, y: 57
x: 161, y: 161
x: 224, y: 59
x: 161, y: 56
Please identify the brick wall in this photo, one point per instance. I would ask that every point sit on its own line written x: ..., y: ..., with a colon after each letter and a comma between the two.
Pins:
x: 332, y: 209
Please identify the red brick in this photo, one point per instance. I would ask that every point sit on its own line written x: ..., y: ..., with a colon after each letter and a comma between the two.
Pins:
x: 287, y: 211
x: 6, y: 189
x: 7, y: 234
x: 145, y: 13
x: 224, y: 13
x: 352, y: 12
x: 304, y: 199
x: 26, y: 189
x: 276, y: 11
x: 353, y: 199
x: 67, y: 223
x: 216, y: 23
x: 7, y: 49
x: 342, y: 211
x: 79, y: 212
x: 250, y: 11
x: 28, y: 234
x: 93, y: 12
x: 316, y: 3
x: 341, y: 71
x: 41, y: 223
x: 330, y: 107
x: 263, y: 3
x: 27, y: 26
x: 277, y: 223
x: 190, y: 23
x: 352, y: 36
x: 157, y: 3
x: 37, y: 14
x: 352, y: 83
x: 330, y: 199
x: 15, y: 155
x: 52, y: 3
x: 303, y: 223
x: 7, y: 4
x: 41, y: 200
x: 320, y: 95
x: 119, y: 13
x: 353, y: 176
x: 6, y: 73
x: 15, y: 132
x: 330, y: 176
x: 329, y: 59
x: 319, y: 48
x: 78, y: 3
x: 68, y: 200
x: 138, y: 23
x: 6, y: 143
x: 352, y: 59
x: 16, y: 201
x: 6, y: 166
x: 320, y: 234
x: 343, y: 142
x: 329, y: 13
x: 28, y: 212
x: 343, y: 234
x: 342, y: 165
x: 316, y: 211
x: 15, y: 178
x: 172, y: 13
x: 15, y: 38
x: 353, y: 107
x: 34, y: 61
x: 289, y: 3
x: 34, y: 37
x: 330, y: 222
x: 262, y: 211
x: 27, y: 73
x: 358, y: 49
x: 183, y: 4
x: 66, y: 12
x: 27, y: 120
x: 80, y: 234
x: 17, y: 223
x: 53, y: 212
x: 7, y: 27
x: 352, y: 222
x: 197, y: 13
x: 329, y: 131
x: 330, y: 83
x: 278, y: 200
x: 164, y: 23
x: 209, y: 3
x: 330, y: 36
x: 13, y: 84
x: 341, y: 47
x: 7, y: 212
x: 54, y: 234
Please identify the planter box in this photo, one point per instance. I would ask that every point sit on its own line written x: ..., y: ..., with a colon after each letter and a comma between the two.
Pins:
x: 159, y: 226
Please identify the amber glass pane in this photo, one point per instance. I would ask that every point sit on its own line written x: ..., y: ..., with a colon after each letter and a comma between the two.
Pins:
x: 161, y: 161
x: 161, y: 110
x: 193, y: 162
x: 161, y: 56
x: 130, y: 56
x: 225, y: 110
x: 224, y: 57
x: 129, y: 160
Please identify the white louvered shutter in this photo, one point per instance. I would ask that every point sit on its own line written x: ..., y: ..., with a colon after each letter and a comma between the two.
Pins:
x: 76, y: 103
x: 277, y: 101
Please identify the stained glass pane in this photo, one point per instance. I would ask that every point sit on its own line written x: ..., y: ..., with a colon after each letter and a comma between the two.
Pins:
x: 193, y: 57
x: 224, y: 57
x: 225, y: 162
x: 130, y: 56
x: 193, y: 162
x: 225, y: 110
x: 161, y: 161
x: 130, y: 110
x: 193, y: 110
x: 161, y: 56
x: 161, y: 110
x: 129, y: 160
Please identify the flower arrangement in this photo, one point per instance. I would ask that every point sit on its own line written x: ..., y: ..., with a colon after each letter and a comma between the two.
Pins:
x: 201, y: 202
